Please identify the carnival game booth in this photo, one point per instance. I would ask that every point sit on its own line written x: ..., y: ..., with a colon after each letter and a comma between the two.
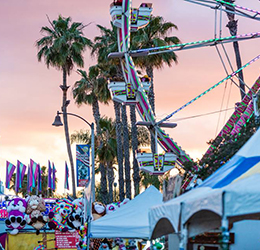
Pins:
x: 229, y: 195
x: 38, y: 223
x: 129, y: 221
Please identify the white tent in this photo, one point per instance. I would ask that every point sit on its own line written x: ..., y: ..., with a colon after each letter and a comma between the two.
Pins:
x: 129, y: 221
x: 231, y: 194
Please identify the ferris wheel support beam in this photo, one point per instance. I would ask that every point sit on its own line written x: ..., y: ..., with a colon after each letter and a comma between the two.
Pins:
x: 193, y: 45
x: 218, y: 3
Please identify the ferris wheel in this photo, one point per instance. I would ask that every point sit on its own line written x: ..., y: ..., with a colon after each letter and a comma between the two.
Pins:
x: 133, y: 90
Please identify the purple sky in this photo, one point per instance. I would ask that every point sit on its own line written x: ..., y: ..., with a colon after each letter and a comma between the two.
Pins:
x: 30, y: 94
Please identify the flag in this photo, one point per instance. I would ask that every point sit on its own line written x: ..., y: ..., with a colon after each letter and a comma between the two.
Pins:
x: 39, y: 178
x: 28, y: 179
x: 49, y: 175
x: 10, y: 168
x: 33, y: 173
x: 82, y: 165
x: 20, y: 171
x: 53, y: 177
x: 66, y: 182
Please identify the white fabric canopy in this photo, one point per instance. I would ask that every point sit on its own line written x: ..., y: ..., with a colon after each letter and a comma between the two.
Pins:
x: 129, y: 221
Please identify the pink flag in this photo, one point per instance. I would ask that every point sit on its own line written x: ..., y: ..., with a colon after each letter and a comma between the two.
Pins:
x: 10, y: 168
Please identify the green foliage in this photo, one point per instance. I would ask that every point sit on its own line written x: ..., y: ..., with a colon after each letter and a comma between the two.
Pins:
x: 91, y: 86
x: 225, y: 149
x: 147, y: 180
x: 155, y: 34
x: 63, y: 44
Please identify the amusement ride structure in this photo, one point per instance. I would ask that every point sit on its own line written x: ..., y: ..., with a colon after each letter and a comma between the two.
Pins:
x: 133, y: 91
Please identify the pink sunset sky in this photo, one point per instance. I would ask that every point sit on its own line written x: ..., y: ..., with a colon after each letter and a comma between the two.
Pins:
x: 30, y: 93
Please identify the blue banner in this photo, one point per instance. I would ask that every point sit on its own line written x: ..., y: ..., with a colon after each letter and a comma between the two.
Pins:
x: 82, y: 165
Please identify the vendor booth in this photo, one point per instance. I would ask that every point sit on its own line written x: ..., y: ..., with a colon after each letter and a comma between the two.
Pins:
x: 231, y: 194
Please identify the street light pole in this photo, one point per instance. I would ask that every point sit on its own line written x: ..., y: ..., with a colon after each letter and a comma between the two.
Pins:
x: 57, y: 122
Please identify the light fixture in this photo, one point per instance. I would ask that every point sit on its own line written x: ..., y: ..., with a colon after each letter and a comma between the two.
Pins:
x: 57, y: 121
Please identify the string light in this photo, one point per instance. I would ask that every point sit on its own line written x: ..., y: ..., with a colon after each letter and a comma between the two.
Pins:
x: 238, y: 6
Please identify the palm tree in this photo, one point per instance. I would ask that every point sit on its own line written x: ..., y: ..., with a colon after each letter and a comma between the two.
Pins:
x: 92, y: 89
x: 126, y: 152
x: 103, y: 45
x: 107, y: 153
x: 154, y: 35
x: 134, y: 144
x: 62, y: 48
x: 232, y: 26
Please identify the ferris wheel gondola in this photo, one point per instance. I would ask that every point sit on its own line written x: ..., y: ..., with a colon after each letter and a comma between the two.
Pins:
x: 139, y: 16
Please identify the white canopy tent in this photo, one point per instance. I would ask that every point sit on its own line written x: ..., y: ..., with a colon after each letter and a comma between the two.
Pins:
x: 129, y: 221
x: 231, y: 194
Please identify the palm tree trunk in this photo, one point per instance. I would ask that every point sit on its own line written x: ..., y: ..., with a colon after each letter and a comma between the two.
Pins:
x: 64, y: 88
x: 119, y: 150
x: 110, y: 177
x: 96, y: 114
x: 151, y: 98
x: 103, y: 182
x: 136, y: 174
x: 232, y: 26
x: 126, y: 152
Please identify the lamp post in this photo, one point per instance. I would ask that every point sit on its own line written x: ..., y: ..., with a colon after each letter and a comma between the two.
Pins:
x: 57, y: 123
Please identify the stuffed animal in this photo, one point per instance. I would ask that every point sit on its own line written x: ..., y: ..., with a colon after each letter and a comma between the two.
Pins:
x: 114, y: 206
x: 16, y: 215
x: 75, y: 218
x: 59, y: 213
x: 98, y: 210
x: 35, y: 207
x: 40, y: 247
x: 131, y: 244
x: 105, y: 245
x: 83, y: 231
x: 118, y: 242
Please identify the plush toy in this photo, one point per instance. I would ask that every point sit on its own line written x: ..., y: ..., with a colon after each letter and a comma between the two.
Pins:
x: 122, y: 245
x: 59, y: 213
x: 83, y: 231
x: 105, y: 245
x: 75, y: 218
x: 16, y: 215
x: 40, y: 247
x: 114, y: 206
x: 118, y: 244
x: 35, y: 207
x: 131, y: 244
x: 98, y: 210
